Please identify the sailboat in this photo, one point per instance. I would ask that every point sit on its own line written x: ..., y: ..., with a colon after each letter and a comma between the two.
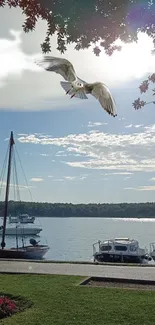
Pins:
x: 32, y: 251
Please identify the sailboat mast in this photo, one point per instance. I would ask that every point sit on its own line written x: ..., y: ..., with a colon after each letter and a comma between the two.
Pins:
x: 7, y: 189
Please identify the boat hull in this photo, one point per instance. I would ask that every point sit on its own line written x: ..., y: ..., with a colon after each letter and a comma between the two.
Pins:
x: 119, y: 258
x: 21, y: 231
x: 28, y: 252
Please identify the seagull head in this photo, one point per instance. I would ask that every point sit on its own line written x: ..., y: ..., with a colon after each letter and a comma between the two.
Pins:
x: 76, y: 86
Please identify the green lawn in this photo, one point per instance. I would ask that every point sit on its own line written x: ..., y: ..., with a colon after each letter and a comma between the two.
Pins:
x: 58, y: 300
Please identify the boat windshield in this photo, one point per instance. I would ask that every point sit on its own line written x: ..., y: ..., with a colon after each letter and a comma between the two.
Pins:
x: 105, y: 248
x: 133, y: 248
x: 121, y: 248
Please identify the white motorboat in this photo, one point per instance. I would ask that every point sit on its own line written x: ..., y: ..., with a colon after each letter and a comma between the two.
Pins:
x: 21, y: 230
x: 123, y: 250
x: 22, y: 218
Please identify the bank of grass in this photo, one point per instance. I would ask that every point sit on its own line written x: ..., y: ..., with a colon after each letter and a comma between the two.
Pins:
x: 59, y: 300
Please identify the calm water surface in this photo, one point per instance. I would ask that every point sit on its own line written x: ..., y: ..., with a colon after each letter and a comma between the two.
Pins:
x: 72, y: 238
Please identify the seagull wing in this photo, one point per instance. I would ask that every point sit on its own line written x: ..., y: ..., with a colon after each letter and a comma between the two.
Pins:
x: 102, y: 93
x: 58, y: 65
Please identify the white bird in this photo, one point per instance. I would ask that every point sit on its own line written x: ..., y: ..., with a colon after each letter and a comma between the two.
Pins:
x: 77, y: 87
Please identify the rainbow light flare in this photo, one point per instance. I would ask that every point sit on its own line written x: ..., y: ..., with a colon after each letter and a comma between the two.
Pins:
x: 140, y: 15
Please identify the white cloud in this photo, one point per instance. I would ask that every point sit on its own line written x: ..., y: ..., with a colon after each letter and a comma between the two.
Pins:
x: 93, y: 131
x: 32, y: 90
x: 99, y: 150
x: 130, y: 188
x: 94, y: 124
x: 128, y: 126
x: 36, y: 179
x: 50, y: 176
x: 70, y: 178
x: 15, y: 186
x: 82, y: 177
x: 119, y: 173
x: 75, y: 178
x: 28, y: 86
x: 61, y: 153
x: 152, y: 179
x: 146, y: 188
x: 12, y: 59
x: 138, y: 125
x: 141, y: 188
x: 150, y: 128
x: 44, y: 154
x: 58, y: 180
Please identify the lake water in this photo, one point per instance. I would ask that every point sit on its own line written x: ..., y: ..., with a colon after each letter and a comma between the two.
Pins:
x: 72, y: 238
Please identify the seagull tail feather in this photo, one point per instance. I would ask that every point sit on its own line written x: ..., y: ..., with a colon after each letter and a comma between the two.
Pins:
x: 67, y: 86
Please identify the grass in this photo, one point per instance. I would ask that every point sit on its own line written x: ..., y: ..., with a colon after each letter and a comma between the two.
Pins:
x: 58, y: 300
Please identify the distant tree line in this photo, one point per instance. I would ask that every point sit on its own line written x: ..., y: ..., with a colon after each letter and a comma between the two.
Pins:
x: 68, y: 210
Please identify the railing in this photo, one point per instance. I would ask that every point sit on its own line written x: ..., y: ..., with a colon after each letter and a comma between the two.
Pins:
x: 152, y: 247
x: 94, y: 246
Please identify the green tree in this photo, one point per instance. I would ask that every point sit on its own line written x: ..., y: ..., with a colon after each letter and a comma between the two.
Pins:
x: 61, y: 210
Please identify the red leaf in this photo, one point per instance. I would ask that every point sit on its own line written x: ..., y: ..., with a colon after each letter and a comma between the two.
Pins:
x: 137, y: 104
x: 152, y: 78
x: 113, y: 48
x: 96, y: 51
x: 2, y: 3
x: 144, y: 86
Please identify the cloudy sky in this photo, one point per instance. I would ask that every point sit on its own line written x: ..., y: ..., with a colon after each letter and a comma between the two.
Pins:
x: 71, y: 150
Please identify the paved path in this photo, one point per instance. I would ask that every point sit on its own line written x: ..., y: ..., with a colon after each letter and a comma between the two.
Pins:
x: 134, y: 272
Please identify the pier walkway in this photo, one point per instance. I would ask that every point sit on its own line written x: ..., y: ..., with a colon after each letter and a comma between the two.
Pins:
x: 112, y: 271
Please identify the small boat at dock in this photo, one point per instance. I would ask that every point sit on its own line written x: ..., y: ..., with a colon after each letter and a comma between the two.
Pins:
x: 119, y: 250
x: 35, y: 251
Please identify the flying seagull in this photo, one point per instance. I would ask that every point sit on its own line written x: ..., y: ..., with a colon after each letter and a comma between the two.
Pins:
x: 76, y: 87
